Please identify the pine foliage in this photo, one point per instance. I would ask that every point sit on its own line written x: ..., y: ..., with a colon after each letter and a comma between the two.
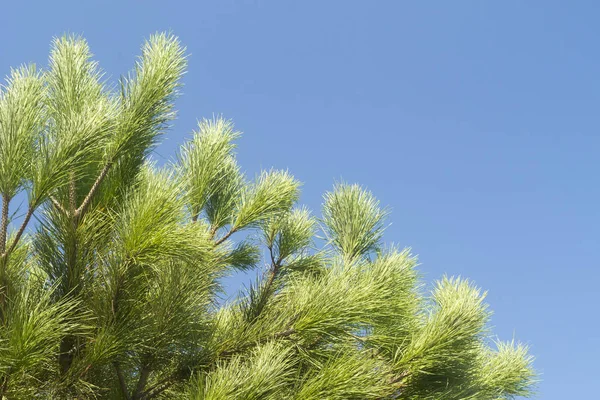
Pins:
x: 115, y: 292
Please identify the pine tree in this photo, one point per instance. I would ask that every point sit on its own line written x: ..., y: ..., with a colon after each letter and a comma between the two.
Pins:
x: 114, y: 292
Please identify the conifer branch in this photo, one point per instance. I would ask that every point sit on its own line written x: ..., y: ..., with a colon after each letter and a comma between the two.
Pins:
x: 142, y: 382
x: 157, y: 389
x: 122, y: 382
x: 275, y: 268
x: 20, y: 232
x: 4, y: 223
x: 72, y: 194
x: 88, y: 198
x: 57, y: 204
x: 166, y: 383
x: 226, y: 236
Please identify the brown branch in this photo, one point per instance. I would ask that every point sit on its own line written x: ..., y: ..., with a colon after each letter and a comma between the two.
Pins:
x: 88, y: 199
x: 213, y: 231
x: 20, y: 231
x: 122, y: 382
x: 85, y: 371
x: 267, y: 289
x: 285, y: 334
x: 57, y: 204
x: 275, y: 267
x: 397, y: 380
x: 3, y: 265
x: 72, y: 194
x: 4, y: 223
x: 227, y: 235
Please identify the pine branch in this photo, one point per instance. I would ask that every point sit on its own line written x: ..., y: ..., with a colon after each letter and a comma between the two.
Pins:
x: 275, y: 268
x: 280, y: 335
x: 166, y: 383
x: 4, y: 223
x: 267, y: 290
x: 122, y: 382
x: 72, y: 194
x: 88, y: 198
x: 57, y: 204
x: 227, y: 236
x: 157, y: 389
x: 20, y: 232
x: 142, y: 382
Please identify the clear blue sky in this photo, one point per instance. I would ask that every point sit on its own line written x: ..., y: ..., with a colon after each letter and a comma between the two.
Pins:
x: 477, y: 122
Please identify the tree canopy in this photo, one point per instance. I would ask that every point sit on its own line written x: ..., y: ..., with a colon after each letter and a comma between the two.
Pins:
x: 113, y: 293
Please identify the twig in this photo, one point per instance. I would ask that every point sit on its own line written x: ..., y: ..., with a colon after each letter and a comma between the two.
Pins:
x: 88, y: 199
x: 72, y: 194
x: 56, y: 204
x: 213, y: 231
x: 224, y: 238
x: 20, y: 231
x: 275, y: 267
x: 4, y: 223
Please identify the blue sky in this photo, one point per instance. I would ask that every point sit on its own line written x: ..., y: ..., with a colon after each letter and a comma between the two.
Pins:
x: 476, y: 122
